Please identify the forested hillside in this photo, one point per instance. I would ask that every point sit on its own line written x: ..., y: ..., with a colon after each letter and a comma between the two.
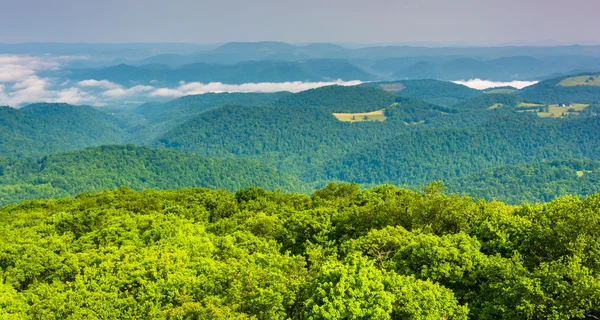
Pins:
x: 110, y: 167
x: 369, y: 134
x: 553, y: 91
x: 151, y: 120
x: 428, y: 155
x: 534, y: 182
x: 342, y: 253
x: 434, y: 91
x: 44, y: 128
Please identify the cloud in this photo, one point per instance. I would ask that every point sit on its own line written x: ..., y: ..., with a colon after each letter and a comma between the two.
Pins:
x: 486, y: 84
x: 92, y: 83
x: 265, y: 87
x: 20, y: 83
x: 133, y: 91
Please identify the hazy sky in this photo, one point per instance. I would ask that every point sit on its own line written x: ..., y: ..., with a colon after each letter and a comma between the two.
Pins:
x: 364, y: 21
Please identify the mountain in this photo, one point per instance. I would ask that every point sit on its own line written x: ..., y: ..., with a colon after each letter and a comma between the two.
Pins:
x: 340, y: 99
x: 302, y: 132
x: 45, y: 128
x: 241, y: 72
x: 427, y: 155
x: 532, y: 182
x: 564, y: 90
x: 153, y: 119
x: 506, y: 68
x: 434, y: 91
x: 111, y: 167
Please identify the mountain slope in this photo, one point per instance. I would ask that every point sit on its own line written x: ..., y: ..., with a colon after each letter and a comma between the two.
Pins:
x: 534, y: 182
x: 553, y: 91
x: 428, y: 155
x: 434, y: 91
x: 110, y: 167
x: 45, y: 128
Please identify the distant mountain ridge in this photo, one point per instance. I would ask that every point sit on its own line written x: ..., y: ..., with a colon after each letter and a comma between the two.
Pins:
x: 314, y: 70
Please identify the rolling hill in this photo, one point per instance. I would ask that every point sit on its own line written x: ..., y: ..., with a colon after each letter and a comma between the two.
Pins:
x: 110, y: 167
x: 553, y: 91
x: 45, y: 128
x: 418, y: 157
x: 433, y: 91
x: 153, y: 119
x: 533, y: 182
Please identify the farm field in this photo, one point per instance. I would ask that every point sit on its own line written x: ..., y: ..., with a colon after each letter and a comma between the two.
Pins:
x: 378, y: 115
x: 557, y: 111
x: 554, y: 110
x: 581, y: 81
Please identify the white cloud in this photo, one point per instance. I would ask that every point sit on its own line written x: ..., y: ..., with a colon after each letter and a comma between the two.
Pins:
x: 92, y: 83
x: 22, y: 84
x: 133, y: 91
x: 486, y: 84
x: 265, y: 87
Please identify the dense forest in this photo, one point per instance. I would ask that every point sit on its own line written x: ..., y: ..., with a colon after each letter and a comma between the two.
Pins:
x: 551, y: 91
x: 293, y: 142
x: 532, y: 182
x: 110, y: 167
x: 45, y: 128
x: 433, y: 91
x: 340, y: 253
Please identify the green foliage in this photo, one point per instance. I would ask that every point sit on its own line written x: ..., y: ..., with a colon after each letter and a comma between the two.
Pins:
x: 488, y: 100
x: 535, y: 182
x: 433, y: 91
x: 340, y: 99
x: 422, y: 156
x: 342, y: 253
x: 140, y: 168
x: 45, y: 128
x: 550, y: 92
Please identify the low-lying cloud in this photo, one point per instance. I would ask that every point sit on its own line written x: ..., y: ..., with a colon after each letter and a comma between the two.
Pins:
x: 92, y: 83
x: 264, y: 87
x: 480, y: 84
x: 20, y: 83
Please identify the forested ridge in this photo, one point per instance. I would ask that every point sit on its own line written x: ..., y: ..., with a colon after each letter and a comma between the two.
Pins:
x: 340, y: 253
x: 531, y: 182
x: 110, y: 167
x: 45, y: 128
x: 294, y: 142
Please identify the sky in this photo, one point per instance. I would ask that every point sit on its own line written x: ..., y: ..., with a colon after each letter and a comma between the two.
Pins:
x: 469, y: 22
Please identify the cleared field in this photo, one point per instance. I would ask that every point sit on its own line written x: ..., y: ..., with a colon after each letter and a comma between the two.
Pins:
x: 557, y: 111
x: 497, y: 105
x: 581, y: 81
x: 553, y: 110
x: 392, y: 87
x: 378, y: 115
